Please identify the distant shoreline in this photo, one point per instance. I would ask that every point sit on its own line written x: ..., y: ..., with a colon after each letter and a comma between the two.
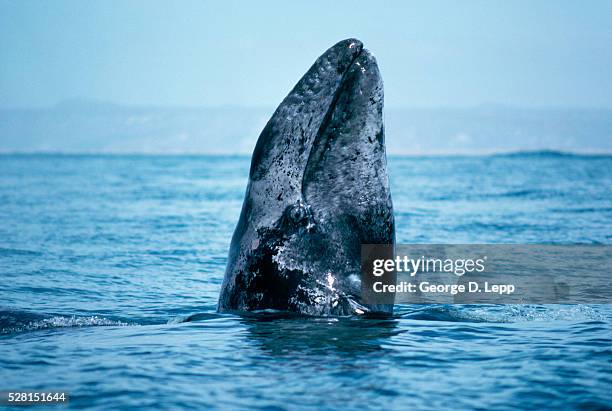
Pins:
x: 91, y: 127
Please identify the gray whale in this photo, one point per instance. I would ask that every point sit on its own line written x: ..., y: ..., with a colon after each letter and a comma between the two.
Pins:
x: 318, y: 189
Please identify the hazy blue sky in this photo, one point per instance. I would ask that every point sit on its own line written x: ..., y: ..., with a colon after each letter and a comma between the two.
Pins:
x: 532, y: 53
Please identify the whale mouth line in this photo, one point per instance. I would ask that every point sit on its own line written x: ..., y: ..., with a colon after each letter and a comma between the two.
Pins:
x: 330, y: 110
x: 338, y: 92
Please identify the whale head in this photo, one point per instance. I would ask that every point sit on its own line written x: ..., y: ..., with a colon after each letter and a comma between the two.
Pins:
x: 318, y: 189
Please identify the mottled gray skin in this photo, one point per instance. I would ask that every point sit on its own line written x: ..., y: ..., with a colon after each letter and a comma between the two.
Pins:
x: 318, y: 189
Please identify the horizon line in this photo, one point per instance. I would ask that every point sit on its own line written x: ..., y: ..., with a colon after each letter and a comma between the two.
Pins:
x: 483, y: 153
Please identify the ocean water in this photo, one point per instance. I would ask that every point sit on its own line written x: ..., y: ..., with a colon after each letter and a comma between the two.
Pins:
x: 110, y: 268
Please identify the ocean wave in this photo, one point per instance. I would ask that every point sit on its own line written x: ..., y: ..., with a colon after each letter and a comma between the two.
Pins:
x: 582, y: 210
x: 548, y: 154
x: 7, y: 252
x: 509, y: 313
x: 21, y: 321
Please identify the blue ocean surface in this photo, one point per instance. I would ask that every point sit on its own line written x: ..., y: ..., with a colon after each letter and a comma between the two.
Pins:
x: 110, y: 269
